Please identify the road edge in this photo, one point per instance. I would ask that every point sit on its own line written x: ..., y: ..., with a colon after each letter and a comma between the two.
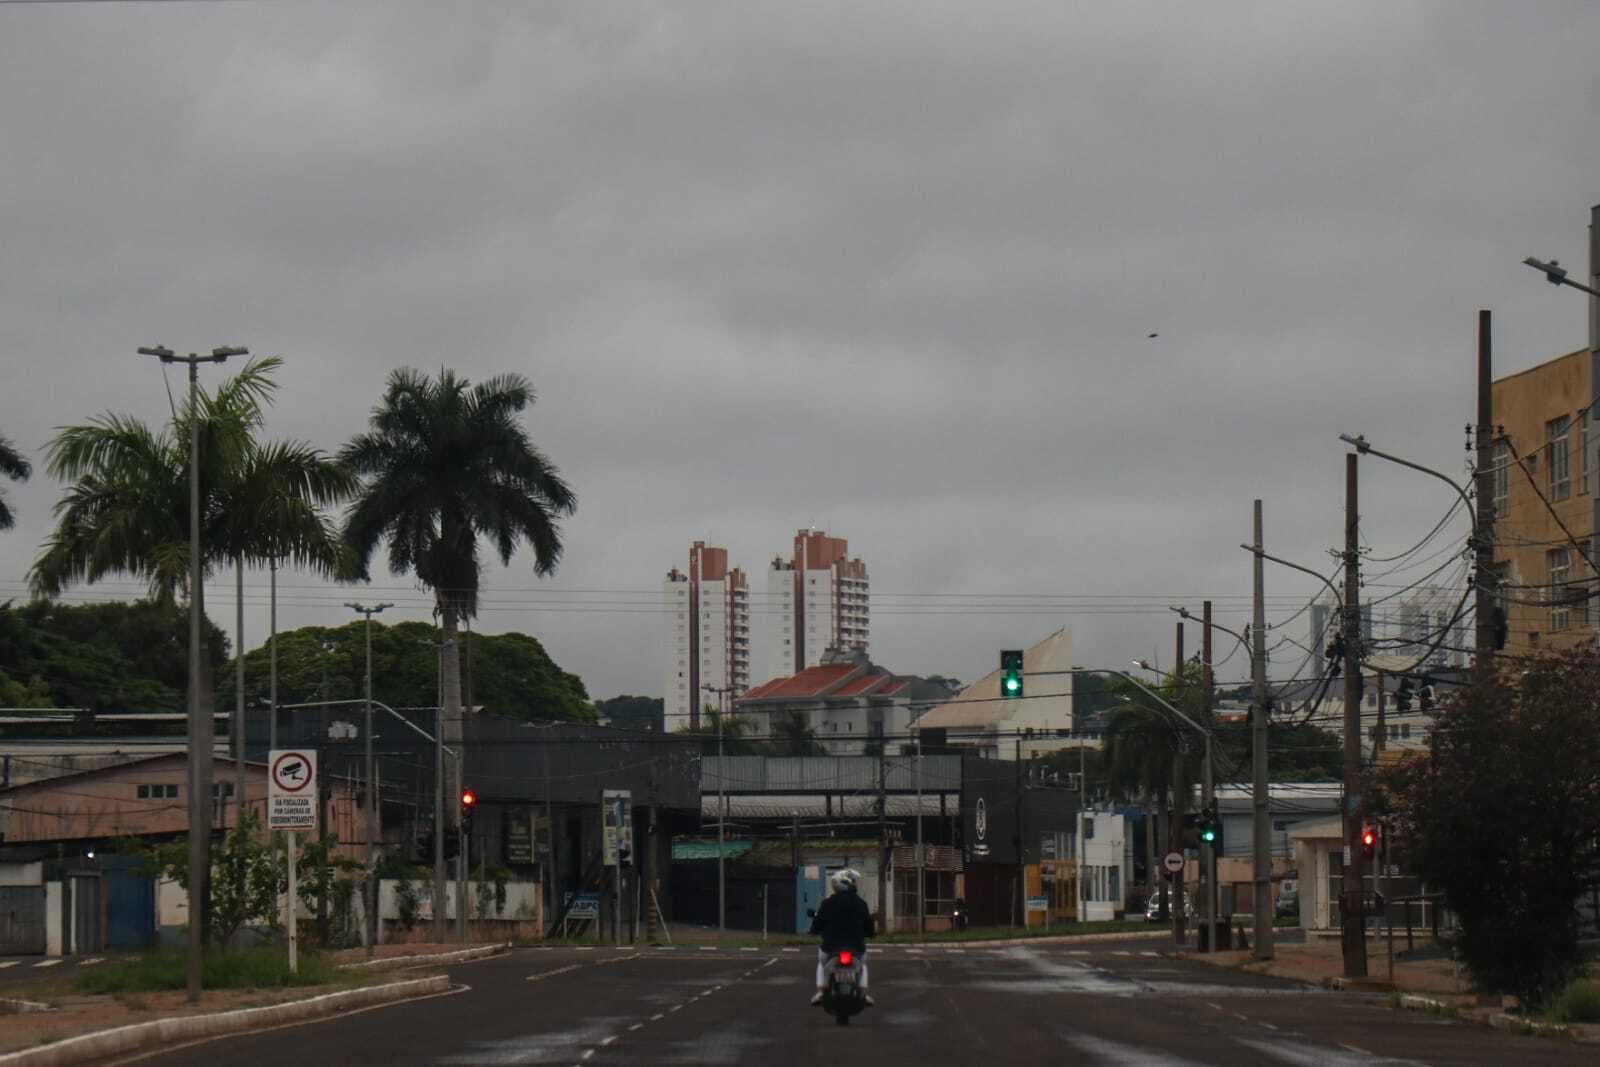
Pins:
x: 141, y: 1036
x: 432, y: 959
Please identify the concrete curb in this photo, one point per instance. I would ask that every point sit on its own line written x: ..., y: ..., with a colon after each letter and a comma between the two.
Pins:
x: 1359, y: 985
x: 1502, y: 1021
x: 141, y: 1036
x: 429, y: 959
x: 13, y: 1006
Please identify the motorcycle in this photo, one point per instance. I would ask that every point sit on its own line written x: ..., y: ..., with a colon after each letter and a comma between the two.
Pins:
x: 959, y: 919
x: 842, y: 995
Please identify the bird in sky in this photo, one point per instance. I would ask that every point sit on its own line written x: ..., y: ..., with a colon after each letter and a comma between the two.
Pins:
x: 1155, y: 335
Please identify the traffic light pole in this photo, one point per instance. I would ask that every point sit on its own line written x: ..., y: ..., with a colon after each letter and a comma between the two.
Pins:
x: 1208, y: 798
x: 1355, y: 922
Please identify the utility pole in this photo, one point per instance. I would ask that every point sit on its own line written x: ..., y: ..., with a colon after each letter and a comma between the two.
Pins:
x: 371, y: 896
x: 1355, y: 933
x: 1381, y: 733
x: 1180, y: 799
x: 883, y: 843
x: 922, y: 864
x: 1260, y: 796
x: 1208, y: 798
x: 1485, y: 579
x: 238, y: 701
x: 202, y: 730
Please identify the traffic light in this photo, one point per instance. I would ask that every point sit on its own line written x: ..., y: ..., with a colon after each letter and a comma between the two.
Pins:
x: 1402, y: 696
x: 1211, y: 830
x: 469, y: 803
x: 1369, y: 841
x: 1500, y: 628
x: 1011, y: 673
x: 1426, y: 693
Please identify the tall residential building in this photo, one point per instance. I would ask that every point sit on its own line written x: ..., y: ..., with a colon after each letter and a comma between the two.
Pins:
x: 1546, y: 504
x: 708, y: 636
x: 818, y: 600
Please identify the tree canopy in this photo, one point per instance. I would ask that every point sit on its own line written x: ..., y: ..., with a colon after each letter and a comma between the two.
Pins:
x: 113, y: 656
x: 508, y: 674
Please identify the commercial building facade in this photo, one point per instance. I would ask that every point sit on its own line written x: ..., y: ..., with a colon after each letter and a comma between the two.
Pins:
x: 708, y: 635
x: 818, y: 599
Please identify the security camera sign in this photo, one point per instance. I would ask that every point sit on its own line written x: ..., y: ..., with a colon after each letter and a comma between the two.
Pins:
x: 292, y: 789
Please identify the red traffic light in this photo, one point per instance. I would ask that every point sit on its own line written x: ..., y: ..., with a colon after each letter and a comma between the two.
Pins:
x: 1368, y: 837
x: 468, y: 798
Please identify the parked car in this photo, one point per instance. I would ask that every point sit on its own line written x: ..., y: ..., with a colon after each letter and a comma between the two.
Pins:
x: 1152, y: 910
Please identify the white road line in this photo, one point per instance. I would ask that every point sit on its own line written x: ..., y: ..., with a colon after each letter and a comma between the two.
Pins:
x: 666, y: 948
x: 675, y: 1007
x: 47, y: 963
x: 1149, y: 953
x: 1121, y: 953
x: 1211, y: 1005
x: 92, y: 960
x: 1241, y: 1018
x: 1356, y: 1048
x: 589, y: 1054
x: 585, y: 948
x: 1269, y: 1026
x: 551, y: 974
x: 746, y: 948
x: 608, y: 1040
x: 637, y: 1026
x: 791, y: 950
x: 8, y: 963
x: 658, y: 1016
x: 708, y: 948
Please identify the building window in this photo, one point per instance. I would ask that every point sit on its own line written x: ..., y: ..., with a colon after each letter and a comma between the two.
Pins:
x: 221, y: 788
x: 1585, y: 463
x: 1502, y: 479
x: 1560, y: 469
x: 1560, y: 564
x: 1405, y: 730
x: 158, y: 792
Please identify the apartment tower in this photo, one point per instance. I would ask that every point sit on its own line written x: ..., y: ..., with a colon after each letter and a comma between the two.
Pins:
x: 818, y: 600
x: 708, y: 636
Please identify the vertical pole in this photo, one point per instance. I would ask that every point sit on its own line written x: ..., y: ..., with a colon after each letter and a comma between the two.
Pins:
x: 372, y: 806
x: 616, y: 910
x: 1355, y: 923
x: 1180, y: 796
x: 461, y: 867
x: 1083, y: 814
x: 1485, y: 579
x: 1381, y: 734
x: 441, y: 922
x: 200, y: 724
x: 272, y: 656
x: 1594, y: 371
x: 722, y: 818
x: 238, y: 699
x: 883, y: 845
x: 1021, y: 902
x: 294, y: 925
x: 547, y: 863
x: 1260, y: 796
x: 1208, y: 788
x: 922, y: 862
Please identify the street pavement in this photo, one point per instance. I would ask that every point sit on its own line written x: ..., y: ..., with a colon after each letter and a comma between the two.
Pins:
x: 1104, y: 1003
x: 28, y: 970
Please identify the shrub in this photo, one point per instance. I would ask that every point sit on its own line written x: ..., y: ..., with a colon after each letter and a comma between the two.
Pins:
x: 257, y: 968
x: 1578, y: 1003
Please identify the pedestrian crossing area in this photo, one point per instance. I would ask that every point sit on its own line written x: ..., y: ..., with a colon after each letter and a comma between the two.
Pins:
x: 49, y: 961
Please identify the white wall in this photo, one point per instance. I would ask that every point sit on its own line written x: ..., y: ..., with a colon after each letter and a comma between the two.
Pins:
x: 1107, y: 849
x: 31, y: 873
x: 523, y: 900
x: 675, y: 687
x: 54, y: 937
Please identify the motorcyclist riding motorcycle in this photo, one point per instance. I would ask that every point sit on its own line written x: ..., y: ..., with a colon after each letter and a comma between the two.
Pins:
x: 844, y: 922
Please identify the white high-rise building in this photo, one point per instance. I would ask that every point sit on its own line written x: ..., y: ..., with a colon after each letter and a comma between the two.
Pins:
x: 818, y: 600
x: 708, y: 636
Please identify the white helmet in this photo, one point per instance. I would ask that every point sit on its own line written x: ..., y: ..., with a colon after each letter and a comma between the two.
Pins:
x: 844, y: 879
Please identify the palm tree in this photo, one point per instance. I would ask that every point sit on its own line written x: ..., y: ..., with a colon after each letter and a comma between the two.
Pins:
x: 443, y: 464
x: 15, y: 467
x: 126, y: 510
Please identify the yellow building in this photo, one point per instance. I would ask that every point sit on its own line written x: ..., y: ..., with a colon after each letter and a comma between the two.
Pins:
x: 1545, y: 497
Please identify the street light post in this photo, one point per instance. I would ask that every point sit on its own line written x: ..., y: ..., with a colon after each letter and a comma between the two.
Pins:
x: 202, y: 731
x: 372, y: 923
x: 722, y: 811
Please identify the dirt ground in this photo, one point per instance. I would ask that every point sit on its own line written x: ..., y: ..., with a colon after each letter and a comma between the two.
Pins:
x: 1320, y: 959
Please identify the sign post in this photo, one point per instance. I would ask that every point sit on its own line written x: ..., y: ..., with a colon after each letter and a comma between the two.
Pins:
x: 292, y: 807
x: 616, y: 804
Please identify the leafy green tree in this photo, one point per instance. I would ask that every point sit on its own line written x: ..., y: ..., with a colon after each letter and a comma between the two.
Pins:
x: 113, y: 656
x: 512, y: 674
x: 735, y: 729
x: 443, y: 465
x: 792, y: 736
x: 1503, y: 815
x: 16, y: 467
x: 247, y: 877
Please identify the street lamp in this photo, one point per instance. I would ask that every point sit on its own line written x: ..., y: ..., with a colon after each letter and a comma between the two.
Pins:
x: 202, y: 730
x: 722, y: 810
x: 372, y: 787
x: 1556, y: 274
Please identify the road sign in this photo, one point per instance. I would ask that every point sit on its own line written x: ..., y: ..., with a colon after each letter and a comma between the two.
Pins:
x: 617, y: 812
x: 1173, y: 862
x: 292, y: 789
x: 584, y: 906
x: 1038, y: 903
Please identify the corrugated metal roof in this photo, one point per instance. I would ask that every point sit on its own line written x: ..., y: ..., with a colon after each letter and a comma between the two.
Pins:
x: 854, y: 805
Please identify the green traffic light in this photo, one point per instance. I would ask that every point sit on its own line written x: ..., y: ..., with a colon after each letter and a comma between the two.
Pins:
x: 1011, y: 684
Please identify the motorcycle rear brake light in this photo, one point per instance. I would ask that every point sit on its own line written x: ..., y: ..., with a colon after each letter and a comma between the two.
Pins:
x: 845, y: 958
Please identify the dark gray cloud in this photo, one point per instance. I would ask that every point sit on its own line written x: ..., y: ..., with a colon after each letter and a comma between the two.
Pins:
x: 888, y: 269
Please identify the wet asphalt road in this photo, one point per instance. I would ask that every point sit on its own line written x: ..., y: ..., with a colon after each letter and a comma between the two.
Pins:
x: 1124, y: 1003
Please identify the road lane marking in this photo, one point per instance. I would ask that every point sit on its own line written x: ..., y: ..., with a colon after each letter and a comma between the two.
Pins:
x: 636, y: 1026
x: 1121, y: 953
x: 1211, y: 1005
x: 551, y: 974
x: 708, y: 948
x: 47, y: 963
x: 588, y: 1054
x: 608, y: 1040
x: 675, y: 1007
x: 8, y: 963
x: 658, y: 1016
x: 791, y: 950
x: 585, y: 948
x: 1355, y: 1048
x: 1149, y: 953
x: 1269, y: 1026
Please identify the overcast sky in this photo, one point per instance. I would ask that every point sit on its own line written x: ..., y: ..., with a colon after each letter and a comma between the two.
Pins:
x: 889, y: 269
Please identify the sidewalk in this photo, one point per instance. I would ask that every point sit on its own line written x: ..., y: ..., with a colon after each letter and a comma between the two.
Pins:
x: 1320, y: 961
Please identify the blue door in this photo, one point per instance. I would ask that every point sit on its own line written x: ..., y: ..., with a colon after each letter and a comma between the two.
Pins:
x: 130, y: 904
x: 810, y: 887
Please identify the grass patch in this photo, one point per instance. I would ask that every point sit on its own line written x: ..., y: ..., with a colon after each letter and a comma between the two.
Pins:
x: 255, y: 968
x: 1578, y: 1003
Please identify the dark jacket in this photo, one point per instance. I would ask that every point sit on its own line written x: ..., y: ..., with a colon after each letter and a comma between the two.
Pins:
x: 844, y: 922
